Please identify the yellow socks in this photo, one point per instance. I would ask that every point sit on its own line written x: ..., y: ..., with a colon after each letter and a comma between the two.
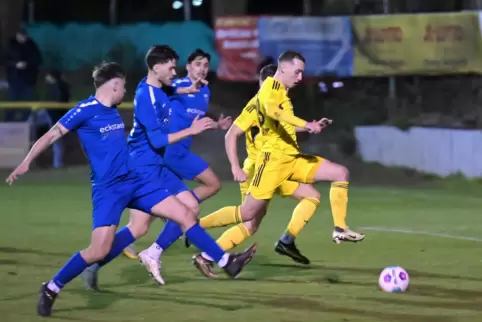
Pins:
x: 222, y: 217
x: 301, y: 215
x: 339, y: 202
x: 233, y: 237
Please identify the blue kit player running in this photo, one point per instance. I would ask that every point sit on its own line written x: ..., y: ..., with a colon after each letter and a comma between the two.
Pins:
x: 115, y: 185
x: 146, y: 144
x: 186, y: 106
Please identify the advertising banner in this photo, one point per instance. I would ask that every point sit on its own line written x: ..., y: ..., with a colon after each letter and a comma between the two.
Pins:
x: 325, y: 42
x: 421, y: 44
x: 238, y: 46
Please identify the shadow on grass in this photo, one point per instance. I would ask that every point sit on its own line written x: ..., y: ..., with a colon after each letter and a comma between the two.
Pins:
x: 13, y: 250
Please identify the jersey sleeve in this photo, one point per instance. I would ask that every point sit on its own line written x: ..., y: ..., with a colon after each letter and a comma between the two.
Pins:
x: 274, y: 100
x: 74, y: 118
x: 247, y: 118
x: 147, y: 116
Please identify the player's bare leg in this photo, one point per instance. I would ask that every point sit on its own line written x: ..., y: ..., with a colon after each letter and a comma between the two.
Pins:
x: 338, y: 175
x: 141, y: 222
x: 138, y: 225
x: 209, y: 185
x: 309, y: 199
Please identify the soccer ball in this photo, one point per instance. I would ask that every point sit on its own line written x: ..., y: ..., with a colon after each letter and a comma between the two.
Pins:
x: 394, y: 279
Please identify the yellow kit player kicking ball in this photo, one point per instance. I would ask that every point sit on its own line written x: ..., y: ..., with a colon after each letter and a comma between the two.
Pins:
x: 278, y: 165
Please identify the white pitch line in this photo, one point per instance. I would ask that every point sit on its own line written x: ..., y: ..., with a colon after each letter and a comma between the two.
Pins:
x: 417, y: 232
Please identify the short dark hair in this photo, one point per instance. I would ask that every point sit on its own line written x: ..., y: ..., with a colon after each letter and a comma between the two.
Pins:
x: 160, y: 54
x: 289, y: 55
x: 198, y: 53
x: 267, y: 71
x: 104, y: 72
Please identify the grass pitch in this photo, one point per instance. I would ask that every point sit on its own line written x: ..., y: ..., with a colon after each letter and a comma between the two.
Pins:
x: 46, y: 217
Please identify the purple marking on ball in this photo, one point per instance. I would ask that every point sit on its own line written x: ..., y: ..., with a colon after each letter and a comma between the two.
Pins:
x: 403, y: 276
x: 387, y: 278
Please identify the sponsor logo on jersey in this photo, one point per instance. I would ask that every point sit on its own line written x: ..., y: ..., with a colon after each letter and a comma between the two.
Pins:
x: 112, y: 127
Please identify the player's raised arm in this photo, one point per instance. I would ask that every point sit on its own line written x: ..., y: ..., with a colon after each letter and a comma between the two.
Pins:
x: 42, y: 144
x: 157, y: 126
x: 324, y: 122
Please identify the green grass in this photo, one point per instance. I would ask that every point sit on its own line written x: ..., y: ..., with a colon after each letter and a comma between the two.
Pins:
x: 46, y: 217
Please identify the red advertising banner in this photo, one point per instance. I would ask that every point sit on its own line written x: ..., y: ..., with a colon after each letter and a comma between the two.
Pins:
x: 238, y: 46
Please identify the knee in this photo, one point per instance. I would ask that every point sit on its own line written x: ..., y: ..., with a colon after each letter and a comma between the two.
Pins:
x: 315, y: 194
x: 215, y: 185
x: 252, y: 226
x: 341, y: 173
x: 251, y: 213
x: 96, y: 252
x: 138, y: 230
x: 187, y: 218
x: 195, y: 209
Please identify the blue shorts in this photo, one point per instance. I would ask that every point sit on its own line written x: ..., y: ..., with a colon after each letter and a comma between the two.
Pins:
x: 163, y: 177
x: 186, y: 165
x: 129, y: 191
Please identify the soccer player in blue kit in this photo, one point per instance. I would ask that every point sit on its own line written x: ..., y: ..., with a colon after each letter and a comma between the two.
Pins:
x: 116, y: 184
x: 185, y: 108
x: 178, y: 157
x: 151, y: 115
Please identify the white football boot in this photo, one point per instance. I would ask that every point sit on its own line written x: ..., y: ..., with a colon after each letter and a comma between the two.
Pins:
x: 347, y: 235
x: 152, y: 266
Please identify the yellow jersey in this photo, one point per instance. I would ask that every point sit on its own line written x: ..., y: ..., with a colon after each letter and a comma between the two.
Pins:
x: 276, y: 119
x: 246, y: 121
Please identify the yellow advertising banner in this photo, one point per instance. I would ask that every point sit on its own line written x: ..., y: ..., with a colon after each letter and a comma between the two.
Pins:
x: 421, y: 44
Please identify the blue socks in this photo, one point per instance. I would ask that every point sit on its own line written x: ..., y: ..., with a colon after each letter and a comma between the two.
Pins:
x: 169, y: 235
x: 200, y: 238
x: 123, y: 238
x: 71, y: 270
x: 76, y: 265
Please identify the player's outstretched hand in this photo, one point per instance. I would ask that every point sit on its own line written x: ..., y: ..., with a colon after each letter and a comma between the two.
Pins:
x: 238, y: 174
x: 20, y: 170
x: 224, y: 123
x: 324, y: 122
x: 201, y: 125
x: 194, y: 88
x: 313, y: 127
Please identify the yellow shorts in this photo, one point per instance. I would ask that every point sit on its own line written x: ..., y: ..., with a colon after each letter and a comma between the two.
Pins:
x: 273, y: 170
x: 287, y: 188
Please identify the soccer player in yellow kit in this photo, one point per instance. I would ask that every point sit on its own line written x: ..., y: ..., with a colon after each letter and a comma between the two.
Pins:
x: 281, y: 174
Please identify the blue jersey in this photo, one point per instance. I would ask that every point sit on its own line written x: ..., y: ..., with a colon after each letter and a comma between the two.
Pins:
x: 101, y: 132
x: 185, y: 108
x: 149, y: 135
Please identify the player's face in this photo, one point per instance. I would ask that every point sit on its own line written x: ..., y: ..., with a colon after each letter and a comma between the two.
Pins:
x: 165, y: 72
x: 293, y: 72
x: 198, y: 68
x: 119, y: 89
